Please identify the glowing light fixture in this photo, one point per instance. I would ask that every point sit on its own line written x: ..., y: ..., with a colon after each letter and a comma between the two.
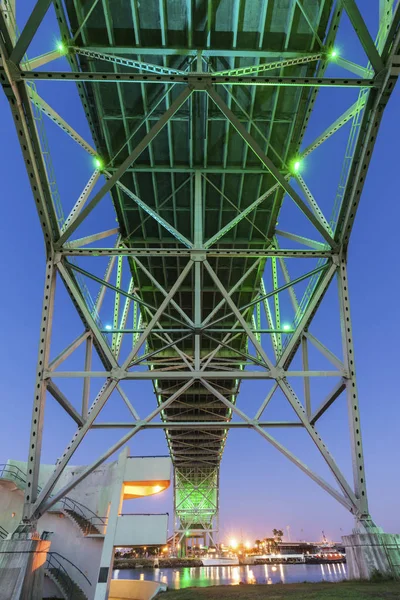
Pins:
x: 333, y: 53
x: 286, y: 327
x: 108, y: 327
x: 233, y: 544
x: 296, y: 166
x: 61, y: 47
x: 157, y: 488
x: 98, y: 163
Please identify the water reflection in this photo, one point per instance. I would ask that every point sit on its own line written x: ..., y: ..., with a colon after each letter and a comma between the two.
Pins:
x: 206, y: 576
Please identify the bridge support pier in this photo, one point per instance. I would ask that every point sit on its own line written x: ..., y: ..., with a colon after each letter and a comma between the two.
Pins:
x: 22, y: 564
x: 371, y: 551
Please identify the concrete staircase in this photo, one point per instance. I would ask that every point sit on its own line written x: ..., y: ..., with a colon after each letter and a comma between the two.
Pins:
x: 57, y: 572
x: 84, y: 525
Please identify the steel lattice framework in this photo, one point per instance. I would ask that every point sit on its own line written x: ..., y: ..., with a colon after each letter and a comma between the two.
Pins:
x: 197, y: 117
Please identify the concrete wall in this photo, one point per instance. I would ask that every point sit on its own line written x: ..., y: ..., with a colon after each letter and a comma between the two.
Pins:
x: 66, y: 539
x: 94, y: 492
x: 133, y: 589
x: 137, y: 530
x: 147, y: 468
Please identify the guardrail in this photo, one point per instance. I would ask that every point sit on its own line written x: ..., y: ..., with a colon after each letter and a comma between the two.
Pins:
x: 3, y: 533
x: 12, y: 472
x: 57, y: 568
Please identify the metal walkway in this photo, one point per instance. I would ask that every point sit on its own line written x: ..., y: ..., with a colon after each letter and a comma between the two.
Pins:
x: 198, y: 111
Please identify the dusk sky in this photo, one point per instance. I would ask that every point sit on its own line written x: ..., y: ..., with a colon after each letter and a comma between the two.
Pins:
x: 259, y: 488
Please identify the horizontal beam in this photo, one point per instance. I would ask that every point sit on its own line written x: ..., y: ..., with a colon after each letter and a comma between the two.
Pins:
x: 150, y: 375
x: 197, y: 81
x: 195, y: 425
x: 240, y: 252
x: 163, y: 51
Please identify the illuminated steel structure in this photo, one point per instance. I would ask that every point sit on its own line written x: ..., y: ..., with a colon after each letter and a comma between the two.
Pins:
x: 198, y: 112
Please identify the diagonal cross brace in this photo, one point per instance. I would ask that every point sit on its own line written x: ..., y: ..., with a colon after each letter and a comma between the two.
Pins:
x: 241, y: 129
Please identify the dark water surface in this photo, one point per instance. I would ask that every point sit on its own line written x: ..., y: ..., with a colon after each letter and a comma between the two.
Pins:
x: 206, y: 576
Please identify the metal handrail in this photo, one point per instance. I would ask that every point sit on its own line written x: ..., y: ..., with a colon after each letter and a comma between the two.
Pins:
x: 15, y: 472
x: 3, y: 533
x: 80, y: 509
x: 53, y: 554
x: 18, y: 474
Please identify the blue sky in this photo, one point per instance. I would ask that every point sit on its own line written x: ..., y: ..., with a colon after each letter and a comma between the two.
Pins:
x: 259, y: 488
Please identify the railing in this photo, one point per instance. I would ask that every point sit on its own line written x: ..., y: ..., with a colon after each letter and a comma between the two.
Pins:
x: 56, y: 567
x: 12, y: 472
x: 83, y: 511
x: 3, y: 533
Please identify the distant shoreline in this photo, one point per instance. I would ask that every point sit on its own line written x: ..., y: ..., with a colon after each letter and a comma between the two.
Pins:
x: 173, y: 563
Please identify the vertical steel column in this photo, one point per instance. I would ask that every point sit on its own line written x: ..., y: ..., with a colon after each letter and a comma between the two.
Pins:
x: 198, y: 244
x: 86, y: 380
x: 307, y: 394
x: 35, y: 444
x: 351, y: 389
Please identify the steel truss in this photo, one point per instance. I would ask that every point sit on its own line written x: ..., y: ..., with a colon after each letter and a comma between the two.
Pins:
x: 196, y: 353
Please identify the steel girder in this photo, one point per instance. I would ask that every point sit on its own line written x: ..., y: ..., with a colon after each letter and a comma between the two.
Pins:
x: 199, y: 346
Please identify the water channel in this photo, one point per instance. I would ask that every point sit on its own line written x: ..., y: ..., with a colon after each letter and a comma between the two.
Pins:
x: 206, y: 576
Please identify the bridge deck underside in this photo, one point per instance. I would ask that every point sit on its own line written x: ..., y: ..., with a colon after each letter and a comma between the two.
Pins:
x: 198, y: 136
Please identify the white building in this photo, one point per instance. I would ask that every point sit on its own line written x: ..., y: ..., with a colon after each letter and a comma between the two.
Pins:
x: 85, y: 527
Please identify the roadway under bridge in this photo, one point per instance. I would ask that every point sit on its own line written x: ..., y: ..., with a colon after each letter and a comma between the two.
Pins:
x: 197, y: 112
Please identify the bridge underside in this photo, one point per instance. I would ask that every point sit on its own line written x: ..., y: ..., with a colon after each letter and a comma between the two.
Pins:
x: 198, y: 112
x: 197, y: 204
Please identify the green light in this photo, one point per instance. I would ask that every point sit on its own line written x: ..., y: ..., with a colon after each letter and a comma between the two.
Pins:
x: 286, y: 327
x: 296, y: 165
x: 61, y: 47
x: 98, y: 163
x: 333, y: 53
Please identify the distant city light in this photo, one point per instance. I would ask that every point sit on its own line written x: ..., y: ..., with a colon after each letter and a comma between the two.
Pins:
x: 286, y: 327
x: 108, y: 327
x: 247, y: 545
x: 233, y: 544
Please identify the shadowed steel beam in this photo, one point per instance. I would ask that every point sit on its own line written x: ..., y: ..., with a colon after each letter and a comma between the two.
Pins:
x: 364, y: 36
x: 324, y: 350
x: 92, y: 238
x: 238, y: 315
x: 68, y: 350
x: 320, y: 290
x: 32, y: 25
x: 301, y: 60
x: 301, y: 239
x: 64, y: 402
x: 139, y: 148
x: 300, y: 412
x: 266, y: 401
x: 58, y: 120
x: 126, y: 62
x: 197, y: 81
x: 160, y: 310
x: 326, y: 403
x: 236, y: 220
x: 56, y: 497
x: 80, y: 203
x: 248, y: 139
x: 343, y: 500
x: 335, y: 126
x: 153, y: 213
x: 131, y: 408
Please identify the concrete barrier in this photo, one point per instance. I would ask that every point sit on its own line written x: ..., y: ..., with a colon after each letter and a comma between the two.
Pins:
x: 134, y: 589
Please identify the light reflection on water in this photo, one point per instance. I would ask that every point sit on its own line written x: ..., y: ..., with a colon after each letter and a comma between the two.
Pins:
x: 205, y: 576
